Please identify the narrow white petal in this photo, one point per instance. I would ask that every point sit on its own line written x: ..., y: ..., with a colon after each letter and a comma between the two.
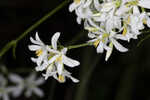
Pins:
x: 60, y: 67
x: 78, y: 20
x: 136, y: 10
x: 74, y: 79
x: 119, y: 46
x: 28, y: 93
x: 73, y: 6
x: 64, y: 50
x: 31, y: 77
x: 35, y: 42
x: 97, y: 4
x: 70, y: 62
x: 39, y: 81
x: 88, y: 2
x: 5, y: 97
x: 42, y: 67
x: 15, y: 78
x: 17, y: 91
x: 55, y: 39
x: 122, y: 10
x: 38, y: 92
x: 108, y: 54
x: 51, y: 50
x: 34, y: 59
x: 39, y: 60
x: 92, y: 40
x: 34, y: 47
x: 100, y: 47
x: 121, y: 37
x: 53, y: 59
x: 37, y: 37
x: 107, y: 7
x: 144, y: 3
x: 148, y: 21
x: 91, y: 35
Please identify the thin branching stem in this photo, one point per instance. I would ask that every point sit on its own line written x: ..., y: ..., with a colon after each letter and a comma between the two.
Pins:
x: 44, y: 18
x: 80, y: 45
x: 145, y: 38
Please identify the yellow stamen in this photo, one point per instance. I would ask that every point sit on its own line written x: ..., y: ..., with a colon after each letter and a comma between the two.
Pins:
x: 77, y: 1
x: 59, y: 58
x: 103, y: 40
x: 144, y: 21
x: 61, y: 78
x: 118, y: 3
x: 38, y: 52
x: 134, y: 2
x: 124, y: 31
x: 96, y: 43
x: 128, y: 20
x: 97, y: 14
x: 105, y: 35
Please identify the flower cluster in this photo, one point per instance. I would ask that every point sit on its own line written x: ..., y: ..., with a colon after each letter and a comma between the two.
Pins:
x: 110, y: 20
x: 30, y: 85
x: 106, y: 21
x: 52, y: 58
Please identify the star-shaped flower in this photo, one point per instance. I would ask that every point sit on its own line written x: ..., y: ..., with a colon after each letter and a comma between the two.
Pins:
x: 29, y: 84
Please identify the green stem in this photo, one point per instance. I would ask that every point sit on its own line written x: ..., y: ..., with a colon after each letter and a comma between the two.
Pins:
x: 7, y: 47
x: 145, y: 38
x: 141, y: 41
x: 80, y: 45
x: 14, y: 42
x: 42, y: 19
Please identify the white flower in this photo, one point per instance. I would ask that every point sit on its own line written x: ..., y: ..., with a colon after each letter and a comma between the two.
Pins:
x: 144, y: 17
x: 102, y: 40
x: 62, y: 78
x: 19, y: 81
x: 39, y: 47
x: 144, y: 3
x: 106, y: 7
x: 32, y: 85
x: 113, y: 22
x: 29, y: 84
x: 4, y: 89
x: 57, y: 59
x: 81, y: 8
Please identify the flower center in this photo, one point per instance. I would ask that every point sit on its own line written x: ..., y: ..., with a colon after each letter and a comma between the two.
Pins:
x: 61, y: 78
x: 124, y: 31
x: 118, y: 3
x: 144, y: 21
x: 59, y: 58
x: 96, y: 43
x: 39, y: 52
x: 77, y: 1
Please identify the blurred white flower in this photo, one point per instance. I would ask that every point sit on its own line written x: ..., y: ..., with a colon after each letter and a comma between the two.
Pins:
x: 29, y: 84
x: 5, y: 90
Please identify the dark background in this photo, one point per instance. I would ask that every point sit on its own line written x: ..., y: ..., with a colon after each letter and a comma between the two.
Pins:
x: 125, y: 76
